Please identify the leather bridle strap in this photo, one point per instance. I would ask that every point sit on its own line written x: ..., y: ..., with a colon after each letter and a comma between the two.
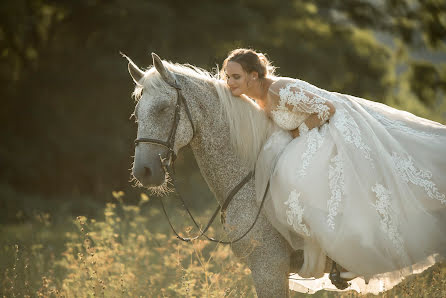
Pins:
x: 226, y: 203
x: 232, y: 194
x: 170, y: 143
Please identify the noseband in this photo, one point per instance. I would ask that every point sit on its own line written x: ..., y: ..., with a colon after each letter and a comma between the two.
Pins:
x: 167, y: 162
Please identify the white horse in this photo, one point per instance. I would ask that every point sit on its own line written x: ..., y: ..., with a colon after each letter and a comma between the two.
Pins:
x: 222, y: 123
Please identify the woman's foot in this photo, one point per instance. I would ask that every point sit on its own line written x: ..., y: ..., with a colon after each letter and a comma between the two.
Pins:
x: 337, y: 280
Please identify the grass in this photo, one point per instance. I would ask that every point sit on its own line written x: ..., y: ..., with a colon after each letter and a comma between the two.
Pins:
x: 126, y: 252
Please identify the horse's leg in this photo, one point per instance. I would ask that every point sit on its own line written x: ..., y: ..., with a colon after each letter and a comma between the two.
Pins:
x: 270, y: 264
x: 264, y: 250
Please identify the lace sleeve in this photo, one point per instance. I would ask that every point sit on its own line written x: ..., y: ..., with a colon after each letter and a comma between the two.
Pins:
x: 290, y: 96
x: 300, y: 100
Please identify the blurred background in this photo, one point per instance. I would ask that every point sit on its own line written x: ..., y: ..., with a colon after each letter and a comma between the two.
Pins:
x: 66, y: 133
x: 65, y: 89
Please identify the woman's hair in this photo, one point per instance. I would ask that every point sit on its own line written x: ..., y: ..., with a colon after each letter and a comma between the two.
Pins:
x: 250, y: 61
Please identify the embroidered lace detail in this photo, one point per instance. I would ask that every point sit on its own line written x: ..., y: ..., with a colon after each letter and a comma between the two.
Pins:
x: 389, y: 220
x: 286, y: 119
x: 303, y: 101
x: 336, y: 184
x: 398, y: 125
x: 409, y: 173
x: 315, y: 138
x: 332, y: 96
x: 350, y: 131
x: 295, y: 213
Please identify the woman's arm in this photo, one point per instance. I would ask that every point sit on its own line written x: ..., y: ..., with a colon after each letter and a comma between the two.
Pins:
x: 314, y: 119
x: 293, y: 97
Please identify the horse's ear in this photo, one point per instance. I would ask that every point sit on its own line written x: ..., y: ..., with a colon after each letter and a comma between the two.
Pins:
x: 166, y: 74
x: 134, y: 70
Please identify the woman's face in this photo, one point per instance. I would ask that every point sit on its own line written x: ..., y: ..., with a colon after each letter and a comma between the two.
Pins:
x: 236, y: 78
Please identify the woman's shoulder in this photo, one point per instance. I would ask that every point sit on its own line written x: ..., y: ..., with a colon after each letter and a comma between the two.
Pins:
x: 280, y: 83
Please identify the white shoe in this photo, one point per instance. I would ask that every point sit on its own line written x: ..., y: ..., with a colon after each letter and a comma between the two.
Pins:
x: 348, y: 275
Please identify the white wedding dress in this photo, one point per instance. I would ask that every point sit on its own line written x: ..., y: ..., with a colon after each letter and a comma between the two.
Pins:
x: 366, y: 188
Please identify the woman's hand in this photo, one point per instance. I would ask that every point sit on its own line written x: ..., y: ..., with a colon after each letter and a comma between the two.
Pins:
x: 311, y: 122
x: 295, y: 132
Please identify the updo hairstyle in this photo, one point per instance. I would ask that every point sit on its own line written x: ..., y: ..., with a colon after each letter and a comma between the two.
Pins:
x: 250, y: 61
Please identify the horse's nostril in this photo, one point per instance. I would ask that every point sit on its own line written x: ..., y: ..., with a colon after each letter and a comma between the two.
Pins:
x: 147, y: 172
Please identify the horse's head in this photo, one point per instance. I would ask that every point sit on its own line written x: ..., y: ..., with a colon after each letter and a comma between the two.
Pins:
x: 158, y: 127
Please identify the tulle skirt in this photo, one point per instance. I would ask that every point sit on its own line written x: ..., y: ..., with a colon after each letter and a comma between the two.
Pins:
x: 367, y: 189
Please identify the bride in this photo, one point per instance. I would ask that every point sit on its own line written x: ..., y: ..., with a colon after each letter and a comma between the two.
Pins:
x: 350, y: 179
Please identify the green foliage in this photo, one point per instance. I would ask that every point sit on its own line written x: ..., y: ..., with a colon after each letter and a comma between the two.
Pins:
x: 67, y: 139
x: 66, y: 91
x: 428, y: 82
x: 416, y: 22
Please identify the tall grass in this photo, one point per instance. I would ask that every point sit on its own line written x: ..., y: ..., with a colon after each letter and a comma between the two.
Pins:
x: 122, y: 256
x: 125, y: 253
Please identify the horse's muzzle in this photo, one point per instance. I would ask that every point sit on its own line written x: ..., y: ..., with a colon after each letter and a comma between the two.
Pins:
x: 148, y: 176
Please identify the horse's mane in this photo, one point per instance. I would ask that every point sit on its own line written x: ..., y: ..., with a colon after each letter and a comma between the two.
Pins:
x: 248, y: 125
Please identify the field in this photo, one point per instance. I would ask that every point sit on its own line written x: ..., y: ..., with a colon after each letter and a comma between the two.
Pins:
x: 125, y: 250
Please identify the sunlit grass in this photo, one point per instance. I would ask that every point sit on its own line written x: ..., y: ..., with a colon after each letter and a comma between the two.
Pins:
x: 124, y: 252
x: 119, y: 255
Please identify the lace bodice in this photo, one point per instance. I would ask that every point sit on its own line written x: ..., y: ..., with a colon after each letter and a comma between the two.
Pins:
x: 286, y: 119
x: 293, y: 104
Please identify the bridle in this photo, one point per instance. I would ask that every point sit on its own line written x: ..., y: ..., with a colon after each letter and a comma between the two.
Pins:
x: 170, y: 156
x: 167, y: 163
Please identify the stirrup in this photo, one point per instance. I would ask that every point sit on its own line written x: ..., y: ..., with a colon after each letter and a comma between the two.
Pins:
x: 336, y: 279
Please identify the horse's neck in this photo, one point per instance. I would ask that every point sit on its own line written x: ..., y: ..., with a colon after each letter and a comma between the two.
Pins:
x: 218, y: 164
